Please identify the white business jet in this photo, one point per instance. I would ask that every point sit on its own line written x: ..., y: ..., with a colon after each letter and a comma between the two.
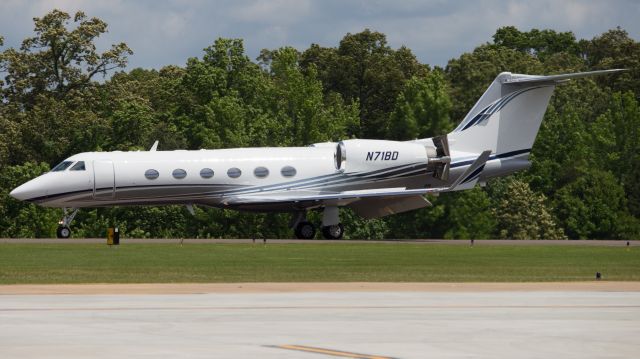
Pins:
x: 374, y: 178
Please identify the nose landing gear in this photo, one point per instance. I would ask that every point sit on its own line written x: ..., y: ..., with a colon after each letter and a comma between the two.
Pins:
x: 63, y: 230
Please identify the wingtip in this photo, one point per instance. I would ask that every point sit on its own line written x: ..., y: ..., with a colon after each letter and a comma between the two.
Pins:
x: 609, y: 71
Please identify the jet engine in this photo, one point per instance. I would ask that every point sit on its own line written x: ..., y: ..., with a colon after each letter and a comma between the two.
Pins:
x: 372, y: 155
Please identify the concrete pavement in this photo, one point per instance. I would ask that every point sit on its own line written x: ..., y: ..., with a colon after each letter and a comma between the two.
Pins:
x: 397, y: 324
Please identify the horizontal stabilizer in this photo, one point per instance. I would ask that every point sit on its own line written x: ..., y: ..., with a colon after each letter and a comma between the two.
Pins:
x: 535, y: 79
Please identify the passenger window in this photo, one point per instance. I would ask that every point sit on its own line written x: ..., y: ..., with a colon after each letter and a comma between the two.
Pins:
x: 261, y: 172
x: 206, y: 173
x: 62, y: 166
x: 234, y: 172
x: 288, y: 171
x: 151, y: 174
x: 79, y: 166
x: 179, y: 173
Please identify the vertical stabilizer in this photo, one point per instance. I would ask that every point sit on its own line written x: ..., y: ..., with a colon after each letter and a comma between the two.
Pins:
x: 507, y: 117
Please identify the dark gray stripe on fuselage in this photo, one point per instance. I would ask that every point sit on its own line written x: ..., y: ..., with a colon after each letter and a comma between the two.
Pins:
x: 319, y: 181
x: 359, y: 178
x: 313, y: 182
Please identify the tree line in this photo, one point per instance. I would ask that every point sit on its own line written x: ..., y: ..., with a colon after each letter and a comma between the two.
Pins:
x: 61, y: 96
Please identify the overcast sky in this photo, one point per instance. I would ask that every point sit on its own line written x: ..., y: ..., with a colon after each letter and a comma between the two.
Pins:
x: 168, y: 32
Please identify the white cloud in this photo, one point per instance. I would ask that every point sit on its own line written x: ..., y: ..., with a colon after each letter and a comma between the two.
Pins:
x: 168, y: 32
x: 280, y: 12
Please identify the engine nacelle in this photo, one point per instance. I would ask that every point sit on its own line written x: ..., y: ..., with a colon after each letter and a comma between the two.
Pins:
x: 371, y: 155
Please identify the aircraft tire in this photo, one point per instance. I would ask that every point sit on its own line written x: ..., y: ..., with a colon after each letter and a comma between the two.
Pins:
x: 333, y: 232
x: 63, y: 232
x: 305, y: 230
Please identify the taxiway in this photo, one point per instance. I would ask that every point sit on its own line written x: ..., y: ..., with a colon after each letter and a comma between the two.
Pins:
x: 376, y: 322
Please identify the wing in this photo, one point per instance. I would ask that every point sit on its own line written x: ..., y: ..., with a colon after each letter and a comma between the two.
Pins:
x: 348, y: 197
x: 376, y: 207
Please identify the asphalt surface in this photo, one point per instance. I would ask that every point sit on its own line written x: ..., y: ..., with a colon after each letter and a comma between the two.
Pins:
x: 380, y: 324
x: 478, y: 242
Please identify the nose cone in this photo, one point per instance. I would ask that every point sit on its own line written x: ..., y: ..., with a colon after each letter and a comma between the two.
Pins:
x: 29, y: 191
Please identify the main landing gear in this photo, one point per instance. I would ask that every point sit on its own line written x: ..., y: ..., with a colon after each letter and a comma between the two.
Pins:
x: 63, y: 230
x: 331, y: 226
x: 305, y: 230
x: 335, y: 231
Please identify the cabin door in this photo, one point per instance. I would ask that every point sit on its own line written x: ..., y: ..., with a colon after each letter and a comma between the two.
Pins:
x: 103, y: 180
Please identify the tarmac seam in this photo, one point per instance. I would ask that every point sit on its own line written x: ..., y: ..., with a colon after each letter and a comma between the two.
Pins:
x: 332, y: 352
x: 321, y: 307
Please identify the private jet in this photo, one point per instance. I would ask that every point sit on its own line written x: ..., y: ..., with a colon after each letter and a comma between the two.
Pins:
x: 374, y: 178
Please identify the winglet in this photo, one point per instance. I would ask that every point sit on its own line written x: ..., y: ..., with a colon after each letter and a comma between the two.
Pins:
x: 155, y: 146
x: 473, y: 171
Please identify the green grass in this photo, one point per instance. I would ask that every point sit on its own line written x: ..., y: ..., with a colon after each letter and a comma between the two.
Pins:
x: 375, y: 262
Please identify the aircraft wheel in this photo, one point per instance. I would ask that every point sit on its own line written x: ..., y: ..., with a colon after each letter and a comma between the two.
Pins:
x: 63, y: 232
x: 305, y: 230
x: 333, y: 232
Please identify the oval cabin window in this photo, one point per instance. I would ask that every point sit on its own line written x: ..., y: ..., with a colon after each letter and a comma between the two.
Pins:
x: 234, y: 172
x: 261, y: 172
x: 288, y: 171
x: 151, y: 174
x: 206, y: 173
x: 179, y: 173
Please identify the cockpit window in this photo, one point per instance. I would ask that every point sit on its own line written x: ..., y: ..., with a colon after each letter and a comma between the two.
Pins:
x: 79, y: 166
x: 62, y: 166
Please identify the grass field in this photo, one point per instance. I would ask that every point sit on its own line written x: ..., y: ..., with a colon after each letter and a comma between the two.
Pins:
x: 375, y: 262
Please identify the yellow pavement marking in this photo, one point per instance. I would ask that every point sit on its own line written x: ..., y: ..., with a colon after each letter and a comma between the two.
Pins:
x: 337, y: 353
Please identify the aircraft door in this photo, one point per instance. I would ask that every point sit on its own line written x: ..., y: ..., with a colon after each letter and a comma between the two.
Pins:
x: 103, y: 180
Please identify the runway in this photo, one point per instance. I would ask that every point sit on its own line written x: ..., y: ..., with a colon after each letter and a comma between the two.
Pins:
x: 332, y: 322
x: 458, y: 242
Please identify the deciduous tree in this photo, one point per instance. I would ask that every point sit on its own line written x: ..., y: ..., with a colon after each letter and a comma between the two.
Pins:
x: 422, y: 109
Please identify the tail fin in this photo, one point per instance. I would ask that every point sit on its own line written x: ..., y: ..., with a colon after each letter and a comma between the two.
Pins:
x: 507, y: 117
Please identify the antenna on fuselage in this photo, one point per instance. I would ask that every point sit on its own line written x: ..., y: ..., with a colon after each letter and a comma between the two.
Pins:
x: 154, y: 146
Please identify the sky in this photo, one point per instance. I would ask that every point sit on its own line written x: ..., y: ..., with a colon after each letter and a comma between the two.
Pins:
x: 168, y: 32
